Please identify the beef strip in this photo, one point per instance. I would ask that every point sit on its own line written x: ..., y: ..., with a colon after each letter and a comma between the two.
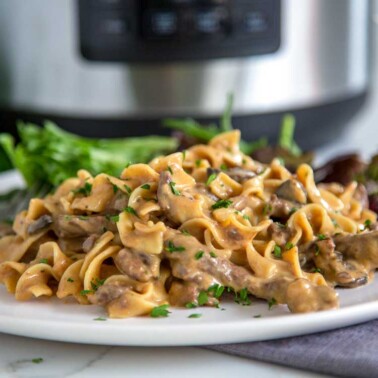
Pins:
x: 139, y: 266
x: 207, y: 270
x: 281, y: 208
x: 107, y: 293
x: 73, y: 226
x: 181, y: 293
x: 280, y: 233
x: 362, y: 248
x: 39, y: 224
x: 336, y: 269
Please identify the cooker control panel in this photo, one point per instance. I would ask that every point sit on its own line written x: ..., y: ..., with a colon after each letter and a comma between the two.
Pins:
x: 177, y: 30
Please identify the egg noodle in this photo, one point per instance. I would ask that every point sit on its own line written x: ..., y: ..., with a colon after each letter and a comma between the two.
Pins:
x: 185, y: 227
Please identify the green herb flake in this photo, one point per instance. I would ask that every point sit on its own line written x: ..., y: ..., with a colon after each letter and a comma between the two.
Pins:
x: 114, y: 218
x: 191, y: 305
x: 86, y: 292
x: 242, y: 298
x: 85, y: 190
x: 194, y: 316
x: 173, y: 248
x: 174, y: 190
x: 246, y: 217
x: 213, y: 254
x: 289, y: 245
x: 277, y: 252
x: 267, y: 209
x: 183, y: 155
x: 367, y: 223
x: 68, y: 218
x: 292, y: 211
x: 272, y: 302
x: 317, y: 270
x: 37, y: 360
x: 203, y: 298
x: 199, y: 255
x: 115, y: 188
x: 146, y: 186
x: 217, y: 290
x: 100, y: 319
x: 97, y: 283
x: 83, y: 217
x: 43, y: 261
x: 211, y: 178
x: 198, y: 162
x: 223, y: 203
x: 130, y: 210
x: 169, y: 169
x: 185, y: 232
x: 160, y: 311
x: 317, y: 250
x: 321, y: 237
x: 69, y: 279
x: 223, y: 167
x: 128, y: 189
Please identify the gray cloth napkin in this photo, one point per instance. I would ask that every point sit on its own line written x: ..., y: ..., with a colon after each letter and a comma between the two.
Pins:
x: 347, y: 352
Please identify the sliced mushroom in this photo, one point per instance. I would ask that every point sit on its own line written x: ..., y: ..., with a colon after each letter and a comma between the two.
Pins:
x: 292, y: 190
x: 239, y: 174
x: 39, y: 224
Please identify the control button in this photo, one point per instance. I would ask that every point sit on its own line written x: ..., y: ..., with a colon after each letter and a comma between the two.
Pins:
x: 114, y: 26
x: 210, y: 21
x: 163, y: 23
x: 255, y: 22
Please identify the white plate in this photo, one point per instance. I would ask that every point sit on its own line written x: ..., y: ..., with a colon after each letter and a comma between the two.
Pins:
x: 54, y: 320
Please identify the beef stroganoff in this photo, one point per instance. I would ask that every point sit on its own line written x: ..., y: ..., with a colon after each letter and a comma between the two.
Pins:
x: 183, y: 228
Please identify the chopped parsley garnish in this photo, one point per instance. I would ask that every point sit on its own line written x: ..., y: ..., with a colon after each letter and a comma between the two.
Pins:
x: 367, y: 223
x: 37, y: 360
x: 322, y: 237
x: 69, y: 279
x: 272, y: 302
x: 191, y: 305
x: 293, y: 210
x: 223, y: 203
x: 223, y: 167
x: 174, y: 190
x: 128, y: 189
x: 199, y: 255
x: 317, y: 270
x: 242, y: 298
x: 100, y: 319
x: 83, y: 217
x: 97, y: 283
x: 217, y: 290
x: 114, y: 218
x: 173, y: 248
x: 317, y: 250
x: 289, y: 245
x: 86, y: 292
x: 277, y: 251
x: 183, y: 155
x: 85, y: 190
x: 160, y: 311
x: 68, y: 217
x: 131, y: 210
x: 115, y: 188
x: 246, y: 217
x: 43, y: 261
x: 211, y: 178
x: 185, y: 232
x: 213, y: 254
x: 194, y: 316
x: 146, y: 186
x: 267, y: 209
x: 202, y: 298
x: 257, y: 316
x: 198, y: 162
x: 169, y: 169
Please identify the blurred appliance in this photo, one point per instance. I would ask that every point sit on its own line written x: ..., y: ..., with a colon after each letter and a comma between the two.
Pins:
x: 116, y: 67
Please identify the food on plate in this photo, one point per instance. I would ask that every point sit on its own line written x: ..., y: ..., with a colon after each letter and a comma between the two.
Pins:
x: 188, y: 228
